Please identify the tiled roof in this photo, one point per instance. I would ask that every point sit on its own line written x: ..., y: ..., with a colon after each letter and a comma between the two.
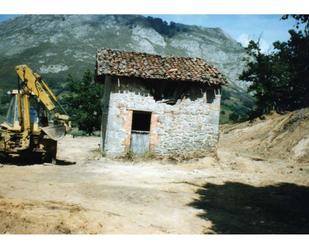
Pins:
x: 149, y: 66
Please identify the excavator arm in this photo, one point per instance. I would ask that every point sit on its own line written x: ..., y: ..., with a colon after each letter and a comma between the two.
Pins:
x: 33, y: 83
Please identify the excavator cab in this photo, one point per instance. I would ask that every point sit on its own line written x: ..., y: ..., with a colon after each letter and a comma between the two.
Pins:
x: 38, y: 115
x: 12, y: 120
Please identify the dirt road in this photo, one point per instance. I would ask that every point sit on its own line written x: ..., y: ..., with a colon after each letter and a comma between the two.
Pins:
x: 235, y: 193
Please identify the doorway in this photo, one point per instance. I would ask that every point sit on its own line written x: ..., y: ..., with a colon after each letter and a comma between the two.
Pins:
x: 140, y: 132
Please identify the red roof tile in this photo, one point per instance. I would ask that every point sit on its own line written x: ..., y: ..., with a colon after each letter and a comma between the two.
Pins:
x: 149, y: 66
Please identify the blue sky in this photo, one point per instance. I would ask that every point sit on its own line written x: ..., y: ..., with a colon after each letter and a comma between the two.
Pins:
x: 5, y: 17
x: 241, y: 27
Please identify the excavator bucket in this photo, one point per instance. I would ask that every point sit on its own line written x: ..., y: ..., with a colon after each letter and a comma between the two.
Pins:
x: 54, y: 132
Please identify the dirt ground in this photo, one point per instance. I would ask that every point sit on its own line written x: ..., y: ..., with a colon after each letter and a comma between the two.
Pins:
x: 237, y: 192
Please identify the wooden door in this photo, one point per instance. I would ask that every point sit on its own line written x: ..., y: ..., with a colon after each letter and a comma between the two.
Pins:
x: 139, y: 142
x: 140, y: 132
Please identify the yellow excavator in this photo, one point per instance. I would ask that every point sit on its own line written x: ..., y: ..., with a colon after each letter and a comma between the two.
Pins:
x: 35, y: 120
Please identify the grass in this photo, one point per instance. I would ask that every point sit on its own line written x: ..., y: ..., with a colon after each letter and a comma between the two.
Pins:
x: 130, y: 156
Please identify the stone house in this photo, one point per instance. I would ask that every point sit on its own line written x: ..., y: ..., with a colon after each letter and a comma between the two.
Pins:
x: 166, y: 106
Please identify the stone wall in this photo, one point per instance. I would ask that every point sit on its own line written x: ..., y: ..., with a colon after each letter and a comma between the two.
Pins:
x: 187, y: 129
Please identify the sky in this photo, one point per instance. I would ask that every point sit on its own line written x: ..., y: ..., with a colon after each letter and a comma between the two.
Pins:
x: 243, y: 28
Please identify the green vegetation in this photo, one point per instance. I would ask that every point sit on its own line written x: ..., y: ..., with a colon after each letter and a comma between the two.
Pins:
x: 231, y: 109
x: 280, y: 80
x: 82, y: 102
x: 164, y: 28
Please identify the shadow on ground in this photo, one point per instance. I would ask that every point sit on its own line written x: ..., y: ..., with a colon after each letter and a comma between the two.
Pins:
x: 21, y: 161
x: 236, y: 208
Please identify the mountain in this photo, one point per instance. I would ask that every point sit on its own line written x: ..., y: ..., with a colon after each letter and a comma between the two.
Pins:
x: 58, y: 45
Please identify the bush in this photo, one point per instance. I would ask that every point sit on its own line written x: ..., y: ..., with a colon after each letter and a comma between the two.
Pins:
x: 234, y: 117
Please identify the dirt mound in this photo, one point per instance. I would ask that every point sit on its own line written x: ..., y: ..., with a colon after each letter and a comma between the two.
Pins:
x: 276, y: 136
x: 23, y: 217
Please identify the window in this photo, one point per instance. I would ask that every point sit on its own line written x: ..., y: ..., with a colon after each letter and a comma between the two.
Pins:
x: 141, y: 121
x: 12, y: 114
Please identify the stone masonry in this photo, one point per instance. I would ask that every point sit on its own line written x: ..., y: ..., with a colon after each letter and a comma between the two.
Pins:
x: 181, y: 100
x: 187, y: 129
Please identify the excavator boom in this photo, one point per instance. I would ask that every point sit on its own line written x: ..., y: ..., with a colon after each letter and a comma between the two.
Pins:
x: 33, y: 82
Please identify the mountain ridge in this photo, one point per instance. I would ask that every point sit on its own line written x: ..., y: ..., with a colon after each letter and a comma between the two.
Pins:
x: 58, y: 45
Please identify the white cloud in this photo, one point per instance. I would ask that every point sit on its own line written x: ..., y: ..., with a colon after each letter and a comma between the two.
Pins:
x: 245, y: 38
x: 264, y: 45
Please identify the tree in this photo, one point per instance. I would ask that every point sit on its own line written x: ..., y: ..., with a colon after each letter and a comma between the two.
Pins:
x: 260, y: 73
x: 82, y: 102
x: 280, y: 80
x: 300, y: 19
x: 295, y: 54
